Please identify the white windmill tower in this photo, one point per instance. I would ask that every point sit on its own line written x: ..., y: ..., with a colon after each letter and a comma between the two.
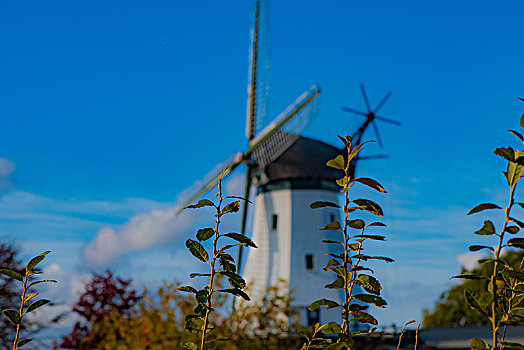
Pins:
x: 289, y: 173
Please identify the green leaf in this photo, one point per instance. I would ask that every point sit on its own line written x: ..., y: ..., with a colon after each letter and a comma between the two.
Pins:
x: 487, y: 229
x: 190, y: 346
x: 331, y: 262
x: 237, y: 292
x: 470, y: 276
x: 330, y: 304
x: 516, y: 242
x: 477, y: 344
x: 371, y: 183
x: 227, y: 262
x: 201, y: 203
x: 37, y: 304
x: 323, y: 204
x: 369, y: 283
x: 187, y: 289
x: 474, y: 248
x: 372, y: 237
x: 376, y: 223
x: 368, y: 205
x: 361, y: 268
x: 12, y: 274
x: 232, y: 207
x: 42, y: 281
x: 236, y: 281
x: 329, y: 241
x: 483, y: 206
x: 367, y: 257
x: 364, y: 317
x: 518, y: 222
x: 205, y: 233
x: 357, y: 307
x: 346, y: 140
x: 472, y: 302
x: 29, y: 296
x: 371, y: 299
x: 12, y: 315
x: 201, y: 296
x: 241, y: 238
x: 336, y: 284
x: 356, y: 224
x: 514, y: 173
x: 193, y: 275
x: 337, y: 163
x: 512, y: 229
x: 516, y: 133
x: 342, y: 182
x: 36, y: 260
x: 335, y: 225
x: 197, y: 250
x: 505, y: 152
x: 331, y: 328
x: 22, y: 342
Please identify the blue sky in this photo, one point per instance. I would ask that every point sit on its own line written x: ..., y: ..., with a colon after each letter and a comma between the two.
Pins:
x: 111, y: 109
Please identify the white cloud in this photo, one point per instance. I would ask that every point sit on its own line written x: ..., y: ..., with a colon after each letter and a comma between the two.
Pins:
x: 7, y: 167
x: 147, y: 230
x: 469, y: 260
x: 140, y: 232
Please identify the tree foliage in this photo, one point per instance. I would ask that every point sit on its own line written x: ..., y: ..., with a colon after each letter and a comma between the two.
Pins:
x: 103, y: 295
x: 156, y: 322
x: 452, y: 310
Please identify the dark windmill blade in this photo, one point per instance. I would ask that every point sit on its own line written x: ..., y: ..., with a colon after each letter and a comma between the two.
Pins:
x: 365, y: 98
x: 351, y: 110
x: 381, y: 103
x: 377, y: 134
x: 370, y: 119
x: 387, y: 120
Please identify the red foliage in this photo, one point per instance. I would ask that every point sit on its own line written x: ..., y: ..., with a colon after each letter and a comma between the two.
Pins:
x: 103, y: 295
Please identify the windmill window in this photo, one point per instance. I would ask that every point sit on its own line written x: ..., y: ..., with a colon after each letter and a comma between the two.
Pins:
x: 313, y: 317
x: 309, y: 261
x: 274, y: 221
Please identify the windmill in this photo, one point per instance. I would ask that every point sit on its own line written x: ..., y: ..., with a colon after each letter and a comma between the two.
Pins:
x: 370, y: 116
x: 289, y: 172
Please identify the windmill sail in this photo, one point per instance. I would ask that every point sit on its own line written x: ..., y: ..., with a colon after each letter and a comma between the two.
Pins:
x: 258, y: 74
x: 275, y: 139
x: 284, y: 130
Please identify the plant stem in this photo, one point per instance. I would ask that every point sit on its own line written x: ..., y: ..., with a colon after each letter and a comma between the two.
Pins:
x: 20, y: 313
x: 494, y: 326
x: 212, y: 265
x: 345, y: 323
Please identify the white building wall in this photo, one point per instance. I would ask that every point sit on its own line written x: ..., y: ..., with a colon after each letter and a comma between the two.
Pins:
x: 282, y: 251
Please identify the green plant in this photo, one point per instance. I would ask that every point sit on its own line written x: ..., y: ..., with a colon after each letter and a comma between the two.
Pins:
x: 347, y: 266
x: 504, y: 281
x: 16, y: 316
x: 220, y: 263
x: 451, y: 308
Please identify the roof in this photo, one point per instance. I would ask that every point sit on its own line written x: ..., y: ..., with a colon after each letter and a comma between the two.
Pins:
x: 305, y: 159
x: 458, y: 338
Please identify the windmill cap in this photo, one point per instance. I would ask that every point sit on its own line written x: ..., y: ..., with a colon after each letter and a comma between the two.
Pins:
x: 305, y: 159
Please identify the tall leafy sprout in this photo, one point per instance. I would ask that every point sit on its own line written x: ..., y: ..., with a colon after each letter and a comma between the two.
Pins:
x: 347, y: 266
x: 502, y: 302
x: 220, y: 263
x: 16, y: 316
